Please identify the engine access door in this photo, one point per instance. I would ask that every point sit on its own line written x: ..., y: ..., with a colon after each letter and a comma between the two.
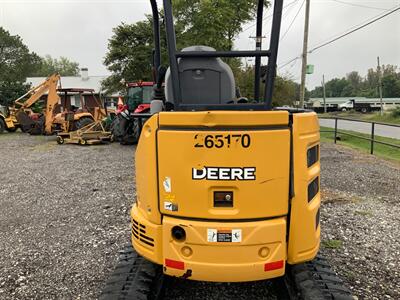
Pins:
x: 223, y: 165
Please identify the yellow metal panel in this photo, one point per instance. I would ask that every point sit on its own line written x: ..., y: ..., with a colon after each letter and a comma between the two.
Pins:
x: 9, y: 123
x: 304, y: 235
x: 146, y: 172
x: 148, y: 242
x: 224, y: 118
x: 266, y: 196
x: 226, y: 261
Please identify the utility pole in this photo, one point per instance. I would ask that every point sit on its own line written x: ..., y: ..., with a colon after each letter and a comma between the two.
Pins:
x: 323, y: 89
x: 380, y: 85
x: 305, y: 49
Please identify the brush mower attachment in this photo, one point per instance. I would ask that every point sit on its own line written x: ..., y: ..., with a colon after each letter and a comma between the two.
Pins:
x: 92, y: 134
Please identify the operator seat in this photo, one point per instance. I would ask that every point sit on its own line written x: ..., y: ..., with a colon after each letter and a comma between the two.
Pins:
x: 203, y: 80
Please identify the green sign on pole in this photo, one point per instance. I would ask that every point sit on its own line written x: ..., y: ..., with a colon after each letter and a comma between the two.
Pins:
x: 310, y: 69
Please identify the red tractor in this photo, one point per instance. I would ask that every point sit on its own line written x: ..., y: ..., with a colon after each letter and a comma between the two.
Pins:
x: 126, y: 128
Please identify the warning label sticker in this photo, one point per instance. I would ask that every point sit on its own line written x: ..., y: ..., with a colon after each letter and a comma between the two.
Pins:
x: 224, y: 235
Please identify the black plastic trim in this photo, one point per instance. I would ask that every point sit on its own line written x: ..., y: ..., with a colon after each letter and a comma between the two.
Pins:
x: 313, y: 188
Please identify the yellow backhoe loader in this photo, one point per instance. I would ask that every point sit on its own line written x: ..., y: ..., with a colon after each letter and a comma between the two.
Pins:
x: 48, y: 122
x: 227, y: 190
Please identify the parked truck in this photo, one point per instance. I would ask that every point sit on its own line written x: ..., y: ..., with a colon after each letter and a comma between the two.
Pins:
x: 352, y: 104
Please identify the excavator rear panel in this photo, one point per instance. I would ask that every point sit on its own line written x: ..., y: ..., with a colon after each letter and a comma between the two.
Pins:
x: 242, y: 187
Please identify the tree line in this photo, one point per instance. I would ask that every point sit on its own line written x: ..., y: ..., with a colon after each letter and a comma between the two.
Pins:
x: 354, y: 85
x: 17, y: 63
x: 211, y: 23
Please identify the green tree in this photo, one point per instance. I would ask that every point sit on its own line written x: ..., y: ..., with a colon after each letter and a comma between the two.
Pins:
x: 212, y: 23
x: 353, y: 88
x: 286, y: 91
x: 318, y: 92
x: 355, y: 85
x: 129, y: 56
x: 63, y: 66
x: 16, y: 63
x: 391, y: 86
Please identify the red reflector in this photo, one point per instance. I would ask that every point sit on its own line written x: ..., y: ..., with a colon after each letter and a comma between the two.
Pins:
x: 180, y: 265
x: 273, y: 265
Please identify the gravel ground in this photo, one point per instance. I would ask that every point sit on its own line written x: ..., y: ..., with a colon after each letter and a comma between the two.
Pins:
x: 65, y: 214
x: 360, y: 221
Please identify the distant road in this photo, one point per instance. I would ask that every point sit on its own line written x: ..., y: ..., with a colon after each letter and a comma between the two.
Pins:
x: 380, y: 130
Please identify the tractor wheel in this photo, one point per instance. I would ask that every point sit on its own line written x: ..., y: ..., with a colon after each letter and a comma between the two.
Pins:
x: 2, y: 126
x: 134, y: 278
x: 136, y: 130
x: 82, y: 122
x: 12, y: 129
x: 116, y: 129
x: 315, y: 280
x: 37, y: 127
x: 24, y: 129
x: 60, y: 140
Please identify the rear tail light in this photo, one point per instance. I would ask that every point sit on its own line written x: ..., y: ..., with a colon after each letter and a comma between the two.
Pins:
x: 273, y: 265
x: 175, y: 264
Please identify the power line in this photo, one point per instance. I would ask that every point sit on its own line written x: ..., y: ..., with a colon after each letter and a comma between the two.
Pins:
x: 375, y: 19
x: 294, y: 19
x: 356, y: 29
x: 269, y: 16
x: 288, y: 62
x: 360, y: 5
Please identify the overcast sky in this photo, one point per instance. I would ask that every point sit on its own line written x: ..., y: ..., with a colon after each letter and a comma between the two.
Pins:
x: 80, y: 30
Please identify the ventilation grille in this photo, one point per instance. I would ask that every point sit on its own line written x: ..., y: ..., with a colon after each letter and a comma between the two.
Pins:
x: 313, y: 189
x: 312, y: 155
x: 139, y: 233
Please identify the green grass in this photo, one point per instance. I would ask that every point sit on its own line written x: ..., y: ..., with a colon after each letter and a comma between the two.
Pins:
x: 387, y: 117
x: 332, y: 244
x: 364, y: 145
x: 365, y: 213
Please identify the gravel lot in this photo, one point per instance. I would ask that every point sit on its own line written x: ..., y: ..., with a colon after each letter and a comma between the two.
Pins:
x: 360, y: 221
x: 65, y: 213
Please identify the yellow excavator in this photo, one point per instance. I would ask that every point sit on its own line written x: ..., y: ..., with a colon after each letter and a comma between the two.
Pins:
x: 226, y: 190
x: 49, y: 121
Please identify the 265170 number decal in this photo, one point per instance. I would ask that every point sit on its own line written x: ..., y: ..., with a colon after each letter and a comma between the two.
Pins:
x: 222, y: 140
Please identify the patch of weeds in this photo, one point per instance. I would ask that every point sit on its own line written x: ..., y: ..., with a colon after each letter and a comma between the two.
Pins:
x: 365, y: 213
x: 355, y: 199
x: 332, y: 244
x: 350, y: 275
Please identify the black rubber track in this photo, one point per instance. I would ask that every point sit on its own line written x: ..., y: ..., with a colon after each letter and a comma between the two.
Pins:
x: 316, y: 280
x: 134, y: 278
